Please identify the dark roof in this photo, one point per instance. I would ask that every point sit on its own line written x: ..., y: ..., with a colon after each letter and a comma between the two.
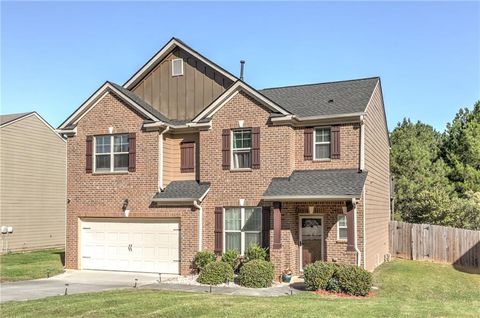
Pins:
x: 330, y: 183
x: 331, y: 98
x: 149, y: 108
x: 177, y: 190
x: 4, y: 119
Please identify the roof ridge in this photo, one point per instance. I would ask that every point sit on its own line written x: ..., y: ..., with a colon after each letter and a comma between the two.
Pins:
x: 321, y: 83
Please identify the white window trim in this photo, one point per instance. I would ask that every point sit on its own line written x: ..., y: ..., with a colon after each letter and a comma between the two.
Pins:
x: 232, y: 166
x: 341, y: 227
x: 111, y: 153
x: 182, y: 71
x: 321, y: 143
x: 242, y: 224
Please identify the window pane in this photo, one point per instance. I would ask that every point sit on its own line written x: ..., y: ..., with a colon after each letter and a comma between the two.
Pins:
x: 102, y: 144
x: 322, y: 151
x: 253, y: 238
x: 120, y: 162
x: 342, y: 233
x: 120, y: 143
x: 322, y: 135
x: 232, y: 241
x: 342, y: 220
x: 242, y: 139
x: 253, y: 219
x: 233, y: 219
x: 102, y: 163
x: 242, y: 159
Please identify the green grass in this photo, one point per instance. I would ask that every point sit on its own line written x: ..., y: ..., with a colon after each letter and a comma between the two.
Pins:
x: 30, y: 265
x: 406, y: 288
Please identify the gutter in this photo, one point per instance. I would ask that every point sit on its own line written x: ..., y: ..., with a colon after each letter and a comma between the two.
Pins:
x: 294, y: 119
x: 293, y: 198
x: 160, y: 124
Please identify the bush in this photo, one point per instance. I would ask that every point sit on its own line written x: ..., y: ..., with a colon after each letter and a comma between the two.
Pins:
x: 354, y: 280
x: 257, y: 274
x: 255, y: 251
x: 216, y: 273
x: 231, y: 257
x: 333, y: 284
x: 317, y: 275
x: 202, y: 259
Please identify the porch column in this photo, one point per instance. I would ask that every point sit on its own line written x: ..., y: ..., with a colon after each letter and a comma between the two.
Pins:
x: 350, y: 226
x: 277, y: 226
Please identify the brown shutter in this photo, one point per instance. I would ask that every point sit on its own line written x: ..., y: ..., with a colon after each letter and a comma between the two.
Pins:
x: 335, y: 142
x: 256, y: 148
x: 218, y: 230
x: 187, y: 156
x: 277, y: 226
x: 266, y: 227
x: 132, y: 152
x: 350, y: 227
x: 226, y: 149
x: 308, y: 144
x: 89, y: 155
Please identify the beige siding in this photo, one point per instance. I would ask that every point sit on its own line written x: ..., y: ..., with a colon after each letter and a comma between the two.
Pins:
x: 33, y: 184
x: 181, y: 97
x: 377, y: 186
x: 171, y: 164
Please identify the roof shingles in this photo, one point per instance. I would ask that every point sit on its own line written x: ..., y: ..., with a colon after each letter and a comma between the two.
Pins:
x: 179, y: 190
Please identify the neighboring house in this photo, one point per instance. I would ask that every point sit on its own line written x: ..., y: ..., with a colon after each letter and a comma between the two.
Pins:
x: 186, y: 156
x: 32, y: 183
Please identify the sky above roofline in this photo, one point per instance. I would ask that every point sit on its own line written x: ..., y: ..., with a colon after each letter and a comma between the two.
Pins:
x: 56, y: 54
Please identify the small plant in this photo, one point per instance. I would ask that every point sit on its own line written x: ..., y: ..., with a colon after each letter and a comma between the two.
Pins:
x: 256, y: 274
x: 202, y: 259
x: 287, y: 275
x: 216, y: 273
x: 317, y: 275
x: 354, y: 280
x: 231, y: 257
x: 255, y: 251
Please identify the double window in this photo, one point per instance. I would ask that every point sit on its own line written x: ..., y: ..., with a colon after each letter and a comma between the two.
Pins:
x: 111, y: 153
x: 243, y: 227
x: 322, y: 143
x: 342, y: 227
x: 242, y: 149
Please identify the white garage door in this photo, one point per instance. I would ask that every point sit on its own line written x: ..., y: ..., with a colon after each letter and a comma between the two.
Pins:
x: 130, y: 245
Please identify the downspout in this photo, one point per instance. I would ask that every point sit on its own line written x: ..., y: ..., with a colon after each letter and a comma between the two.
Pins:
x: 160, y: 159
x: 364, y: 231
x: 362, y: 143
x: 200, y: 224
x: 355, y: 241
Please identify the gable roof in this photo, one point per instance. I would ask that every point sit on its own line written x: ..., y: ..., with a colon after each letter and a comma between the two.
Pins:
x: 5, y: 119
x: 317, y: 184
x: 332, y: 98
x: 163, y: 52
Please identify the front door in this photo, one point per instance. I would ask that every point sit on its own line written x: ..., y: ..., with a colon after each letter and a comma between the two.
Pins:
x: 311, y: 239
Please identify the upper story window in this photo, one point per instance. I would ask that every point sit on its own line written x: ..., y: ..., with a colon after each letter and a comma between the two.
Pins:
x: 342, y: 227
x: 243, y: 227
x: 242, y: 149
x: 111, y: 153
x: 322, y: 143
x: 177, y: 67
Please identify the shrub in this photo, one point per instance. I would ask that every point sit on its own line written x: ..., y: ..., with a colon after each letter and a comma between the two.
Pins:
x: 255, y: 251
x: 317, y: 275
x: 216, y: 273
x: 202, y: 259
x: 257, y: 274
x: 231, y: 257
x: 333, y: 284
x: 354, y: 280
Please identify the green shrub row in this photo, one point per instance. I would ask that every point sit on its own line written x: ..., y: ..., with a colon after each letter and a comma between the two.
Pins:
x: 216, y: 273
x: 256, y: 274
x: 348, y: 279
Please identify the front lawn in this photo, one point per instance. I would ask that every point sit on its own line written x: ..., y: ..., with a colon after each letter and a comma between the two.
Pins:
x: 406, y: 288
x: 30, y: 265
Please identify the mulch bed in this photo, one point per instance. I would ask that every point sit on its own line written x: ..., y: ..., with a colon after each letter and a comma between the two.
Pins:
x: 342, y: 295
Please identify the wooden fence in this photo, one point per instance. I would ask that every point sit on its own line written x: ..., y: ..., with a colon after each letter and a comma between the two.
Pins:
x: 435, y: 243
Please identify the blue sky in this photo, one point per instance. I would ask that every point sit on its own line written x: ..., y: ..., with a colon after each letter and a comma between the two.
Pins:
x: 55, y: 54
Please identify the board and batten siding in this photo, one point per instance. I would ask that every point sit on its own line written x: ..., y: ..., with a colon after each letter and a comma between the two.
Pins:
x: 172, y: 162
x: 33, y: 184
x: 377, y: 185
x: 181, y: 97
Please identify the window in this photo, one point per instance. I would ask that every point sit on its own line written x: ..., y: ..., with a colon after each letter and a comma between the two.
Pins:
x: 342, y: 227
x: 111, y: 149
x: 177, y: 67
x: 243, y: 227
x: 322, y: 143
x: 242, y: 149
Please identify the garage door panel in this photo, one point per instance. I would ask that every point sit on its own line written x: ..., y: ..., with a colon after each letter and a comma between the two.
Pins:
x: 131, y: 245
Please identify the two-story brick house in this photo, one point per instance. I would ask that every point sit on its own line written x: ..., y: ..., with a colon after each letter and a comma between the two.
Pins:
x: 186, y: 156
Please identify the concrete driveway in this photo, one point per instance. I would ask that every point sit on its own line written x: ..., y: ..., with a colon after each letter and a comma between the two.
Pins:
x: 79, y: 282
